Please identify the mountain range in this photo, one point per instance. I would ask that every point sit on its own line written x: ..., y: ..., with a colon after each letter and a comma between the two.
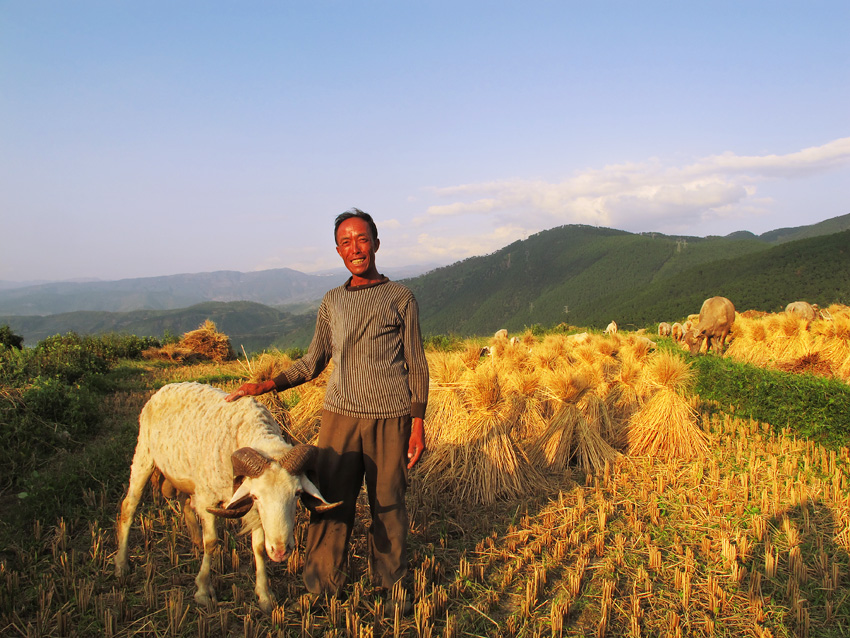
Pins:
x: 573, y: 274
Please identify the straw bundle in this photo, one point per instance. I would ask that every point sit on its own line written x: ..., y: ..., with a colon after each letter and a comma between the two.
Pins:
x: 785, y: 342
x: 469, y: 358
x: 487, y: 466
x: 554, y: 448
x: 445, y: 408
x: 267, y: 366
x: 172, y: 352
x: 575, y: 431
x: 667, y: 427
x: 528, y: 389
x: 449, y: 367
x: 624, y: 397
x: 551, y: 354
x: 208, y: 341
x: 306, y: 413
x: 668, y: 370
x: 474, y: 456
x: 595, y: 412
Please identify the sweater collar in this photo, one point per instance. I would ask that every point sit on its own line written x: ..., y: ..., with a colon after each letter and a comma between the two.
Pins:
x: 384, y: 279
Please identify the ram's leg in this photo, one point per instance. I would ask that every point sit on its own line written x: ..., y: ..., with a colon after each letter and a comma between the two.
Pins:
x: 190, y: 519
x: 140, y: 472
x: 205, y: 594
x: 258, y: 545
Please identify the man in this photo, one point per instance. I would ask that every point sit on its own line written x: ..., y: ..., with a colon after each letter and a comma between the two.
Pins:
x: 373, y: 413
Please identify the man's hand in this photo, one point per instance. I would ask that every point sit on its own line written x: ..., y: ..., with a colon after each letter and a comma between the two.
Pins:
x: 251, y: 389
x: 417, y: 442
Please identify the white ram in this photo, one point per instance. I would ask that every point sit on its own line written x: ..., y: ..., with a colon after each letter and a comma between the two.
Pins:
x: 231, y: 459
x: 611, y: 329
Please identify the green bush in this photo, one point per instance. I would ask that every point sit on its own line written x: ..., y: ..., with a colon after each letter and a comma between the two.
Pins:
x: 444, y: 343
x: 9, y: 339
x: 113, y: 346
x: 42, y: 419
x: 68, y: 357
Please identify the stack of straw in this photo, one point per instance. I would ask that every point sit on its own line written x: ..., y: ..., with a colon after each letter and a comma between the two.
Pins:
x: 667, y: 425
x: 209, y: 342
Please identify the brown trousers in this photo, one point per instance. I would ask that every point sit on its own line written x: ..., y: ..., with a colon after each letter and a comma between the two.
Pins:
x: 349, y: 450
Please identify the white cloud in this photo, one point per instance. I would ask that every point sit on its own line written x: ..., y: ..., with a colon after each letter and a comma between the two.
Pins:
x: 639, y: 196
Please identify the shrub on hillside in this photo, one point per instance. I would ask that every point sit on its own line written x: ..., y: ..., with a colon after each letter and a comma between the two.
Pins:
x: 9, y: 339
x: 69, y: 358
x: 41, y: 419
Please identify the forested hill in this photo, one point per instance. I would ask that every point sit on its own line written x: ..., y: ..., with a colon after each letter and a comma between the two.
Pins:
x: 816, y: 270
x: 588, y: 276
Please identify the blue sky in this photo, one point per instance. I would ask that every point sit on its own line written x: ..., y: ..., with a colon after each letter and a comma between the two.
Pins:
x: 158, y: 137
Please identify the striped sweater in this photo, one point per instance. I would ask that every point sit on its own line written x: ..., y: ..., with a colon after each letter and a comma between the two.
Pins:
x: 372, y: 334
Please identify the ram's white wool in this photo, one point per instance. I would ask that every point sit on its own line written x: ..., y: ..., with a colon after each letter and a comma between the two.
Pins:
x: 189, y: 432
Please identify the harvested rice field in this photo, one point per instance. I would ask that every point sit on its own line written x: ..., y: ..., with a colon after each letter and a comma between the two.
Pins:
x: 573, y: 486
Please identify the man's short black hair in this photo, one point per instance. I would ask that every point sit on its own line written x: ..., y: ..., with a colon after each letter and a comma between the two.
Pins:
x: 356, y: 212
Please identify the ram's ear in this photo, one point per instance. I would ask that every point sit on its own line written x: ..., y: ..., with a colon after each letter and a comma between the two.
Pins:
x: 239, y: 505
x: 312, y: 498
x: 244, y: 491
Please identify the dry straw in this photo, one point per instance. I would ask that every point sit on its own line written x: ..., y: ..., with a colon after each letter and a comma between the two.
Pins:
x: 784, y: 341
x: 208, y: 341
x: 667, y: 425
x: 474, y: 455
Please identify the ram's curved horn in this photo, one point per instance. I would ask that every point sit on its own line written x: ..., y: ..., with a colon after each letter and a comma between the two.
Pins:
x: 237, y: 509
x: 248, y: 462
x: 299, y: 458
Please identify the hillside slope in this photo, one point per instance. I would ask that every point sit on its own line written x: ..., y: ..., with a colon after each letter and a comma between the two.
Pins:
x: 557, y: 276
x: 816, y: 270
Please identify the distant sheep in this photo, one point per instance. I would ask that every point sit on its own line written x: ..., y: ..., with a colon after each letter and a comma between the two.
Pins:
x: 578, y: 339
x: 231, y: 460
x: 802, y: 309
x: 676, y: 331
x: 501, y: 334
x: 664, y: 329
x: 611, y: 329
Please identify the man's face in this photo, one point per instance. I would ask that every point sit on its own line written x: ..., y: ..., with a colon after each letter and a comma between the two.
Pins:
x: 354, y: 243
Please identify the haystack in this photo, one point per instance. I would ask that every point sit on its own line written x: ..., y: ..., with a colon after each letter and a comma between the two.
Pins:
x: 553, y: 449
x: 667, y: 426
x: 592, y: 450
x: 209, y: 342
x: 307, y: 401
x: 623, y: 397
x: 172, y: 352
x: 474, y: 457
x: 575, y: 431
x: 267, y: 366
x: 528, y: 388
